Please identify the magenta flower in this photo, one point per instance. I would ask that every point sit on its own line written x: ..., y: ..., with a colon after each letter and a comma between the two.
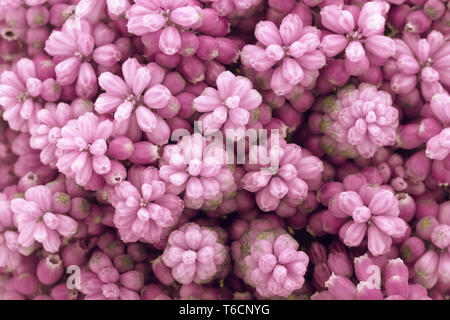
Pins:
x: 162, y: 20
x: 292, y: 49
x: 143, y: 209
x: 38, y: 221
x: 360, y: 33
x: 196, y: 254
x: 420, y: 62
x: 283, y: 176
x: 199, y: 170
x: 73, y: 47
x: 104, y: 282
x: 18, y: 93
x: 47, y: 129
x: 374, y: 211
x: 228, y: 106
x: 130, y: 105
x: 360, y: 121
x: 269, y: 261
x: 82, y: 148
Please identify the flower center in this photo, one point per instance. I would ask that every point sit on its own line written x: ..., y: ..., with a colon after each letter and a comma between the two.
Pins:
x: 353, y: 35
x: 22, y: 97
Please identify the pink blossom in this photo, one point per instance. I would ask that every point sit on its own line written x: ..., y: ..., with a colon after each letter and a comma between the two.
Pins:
x: 72, y: 48
x: 104, y: 282
x: 199, y: 170
x: 195, y: 254
x: 360, y: 121
x: 228, y: 107
x: 280, y: 174
x: 18, y: 95
x: 292, y: 49
x: 161, y: 19
x: 359, y: 33
x: 130, y: 101
x: 47, y: 129
x: 37, y: 221
x: 143, y: 209
x: 420, y: 62
x: 82, y: 148
x: 373, y: 211
x: 271, y: 263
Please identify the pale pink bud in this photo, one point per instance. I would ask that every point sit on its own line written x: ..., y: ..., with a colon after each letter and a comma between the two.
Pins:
x: 170, y: 40
x: 336, y: 19
x: 185, y: 16
x: 333, y: 44
x: 340, y: 264
x: 378, y: 242
x: 49, y: 269
x: 267, y: 33
x: 291, y: 28
x: 341, y: 288
x: 380, y: 46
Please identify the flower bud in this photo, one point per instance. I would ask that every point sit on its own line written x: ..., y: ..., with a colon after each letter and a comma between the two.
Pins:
x: 49, y: 269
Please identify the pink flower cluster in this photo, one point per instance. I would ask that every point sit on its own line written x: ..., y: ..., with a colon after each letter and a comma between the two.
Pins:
x: 268, y: 259
x: 224, y: 149
x: 359, y: 121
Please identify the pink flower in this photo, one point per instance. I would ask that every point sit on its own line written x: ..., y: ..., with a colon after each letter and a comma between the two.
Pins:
x: 130, y: 105
x: 104, y: 282
x: 228, y: 106
x: 420, y: 62
x: 18, y: 91
x: 72, y: 48
x: 161, y: 19
x: 360, y: 121
x: 47, y: 129
x: 143, y: 209
x: 37, y: 221
x: 280, y: 173
x: 269, y: 261
x: 359, y: 33
x: 373, y: 211
x: 82, y: 148
x: 199, y: 170
x: 195, y: 254
x: 292, y: 49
